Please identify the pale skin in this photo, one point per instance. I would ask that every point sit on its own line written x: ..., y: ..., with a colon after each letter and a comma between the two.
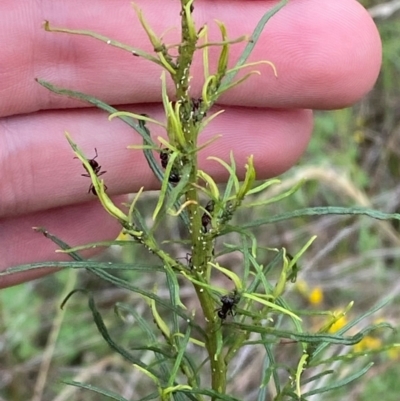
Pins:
x: 327, y: 54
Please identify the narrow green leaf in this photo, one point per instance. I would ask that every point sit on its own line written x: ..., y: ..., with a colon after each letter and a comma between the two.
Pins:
x: 247, y: 65
x: 262, y: 274
x: 84, y: 264
x: 271, y: 362
x: 173, y: 289
x: 276, y: 198
x: 94, y: 245
x: 299, y: 371
x: 165, y: 183
x: 146, y: 371
x: 271, y: 305
x: 301, y: 337
x: 344, y: 382
x: 224, y: 54
x: 98, y: 103
x: 230, y: 274
x: 323, y: 211
x: 151, y: 396
x: 189, y: 20
x: 212, y: 185
x: 237, y: 83
x: 159, y: 321
x: 263, y: 186
x: 95, y: 389
x: 203, y: 34
x: 252, y: 43
x: 178, y: 360
x: 248, y: 179
x: 317, y: 376
x: 140, y: 117
x: 233, y: 180
x: 105, y: 39
x: 211, y: 393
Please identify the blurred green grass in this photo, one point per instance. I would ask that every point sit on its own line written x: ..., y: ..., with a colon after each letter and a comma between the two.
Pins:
x: 354, y: 157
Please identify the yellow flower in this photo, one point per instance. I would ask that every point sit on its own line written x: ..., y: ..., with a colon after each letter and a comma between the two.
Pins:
x: 316, y: 296
x: 394, y: 352
x: 341, y: 322
x: 368, y: 343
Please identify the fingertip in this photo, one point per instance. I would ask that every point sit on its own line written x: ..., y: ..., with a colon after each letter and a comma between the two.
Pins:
x: 327, y: 55
x: 339, y: 70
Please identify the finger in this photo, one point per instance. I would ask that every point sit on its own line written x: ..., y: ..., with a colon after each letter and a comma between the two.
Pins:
x: 327, y: 53
x: 76, y: 225
x: 39, y: 171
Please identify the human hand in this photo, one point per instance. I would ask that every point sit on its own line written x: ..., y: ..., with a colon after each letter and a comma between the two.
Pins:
x: 327, y: 54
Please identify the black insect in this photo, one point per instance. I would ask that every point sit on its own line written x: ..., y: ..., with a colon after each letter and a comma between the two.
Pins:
x: 174, y: 175
x: 97, y: 170
x: 92, y: 189
x: 164, y: 157
x: 229, y: 303
x: 206, y: 218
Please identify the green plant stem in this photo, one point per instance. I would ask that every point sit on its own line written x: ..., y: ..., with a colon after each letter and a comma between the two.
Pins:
x: 201, y: 247
x: 213, y: 329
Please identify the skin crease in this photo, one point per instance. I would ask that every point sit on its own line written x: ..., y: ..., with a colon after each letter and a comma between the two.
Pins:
x: 327, y: 54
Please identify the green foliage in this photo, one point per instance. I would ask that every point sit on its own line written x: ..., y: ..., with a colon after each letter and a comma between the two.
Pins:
x: 19, y: 322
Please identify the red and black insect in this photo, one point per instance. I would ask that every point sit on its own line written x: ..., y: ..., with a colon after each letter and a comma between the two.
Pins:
x: 164, y: 157
x: 97, y: 170
x: 229, y: 303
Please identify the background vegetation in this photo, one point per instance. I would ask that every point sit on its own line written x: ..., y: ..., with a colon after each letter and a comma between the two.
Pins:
x: 353, y: 159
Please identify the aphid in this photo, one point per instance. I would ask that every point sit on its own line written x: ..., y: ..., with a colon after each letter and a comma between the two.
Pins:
x: 206, y: 218
x: 96, y: 169
x: 183, y: 12
x: 227, y: 212
x: 229, y: 303
x: 196, y: 103
x: 198, y: 115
